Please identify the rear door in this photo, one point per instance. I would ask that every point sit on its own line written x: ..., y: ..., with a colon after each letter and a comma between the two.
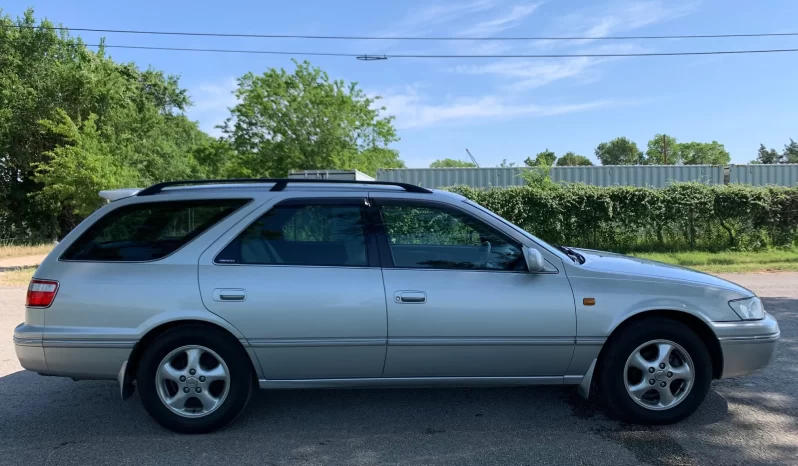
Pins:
x: 301, y: 280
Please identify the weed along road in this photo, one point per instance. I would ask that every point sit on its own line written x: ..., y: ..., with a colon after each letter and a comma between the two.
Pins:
x: 751, y: 420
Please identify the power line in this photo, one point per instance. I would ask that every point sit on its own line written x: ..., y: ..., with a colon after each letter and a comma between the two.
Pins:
x: 436, y: 56
x: 422, y: 38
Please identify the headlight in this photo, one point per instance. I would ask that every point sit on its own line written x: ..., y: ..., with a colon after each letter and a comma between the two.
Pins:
x: 748, y: 308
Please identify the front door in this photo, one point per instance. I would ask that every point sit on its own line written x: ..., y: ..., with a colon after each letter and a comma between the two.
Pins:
x: 303, y: 284
x: 461, y: 302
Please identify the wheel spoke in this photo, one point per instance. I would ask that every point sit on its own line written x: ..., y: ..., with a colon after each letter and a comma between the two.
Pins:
x: 665, y: 396
x: 193, y: 355
x: 664, y: 355
x: 212, y: 375
x: 168, y: 372
x: 683, y: 372
x: 637, y: 361
x: 207, y: 400
x: 640, y: 389
x: 179, y: 400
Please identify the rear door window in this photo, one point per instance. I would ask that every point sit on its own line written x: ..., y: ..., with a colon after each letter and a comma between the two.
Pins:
x: 148, y: 231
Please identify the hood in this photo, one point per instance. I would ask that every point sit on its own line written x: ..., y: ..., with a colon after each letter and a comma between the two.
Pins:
x: 618, y: 263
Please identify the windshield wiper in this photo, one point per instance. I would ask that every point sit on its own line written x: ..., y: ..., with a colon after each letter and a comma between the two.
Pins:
x: 579, y: 258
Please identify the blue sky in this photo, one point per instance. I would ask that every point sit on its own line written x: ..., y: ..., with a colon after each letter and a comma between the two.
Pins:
x: 499, y: 109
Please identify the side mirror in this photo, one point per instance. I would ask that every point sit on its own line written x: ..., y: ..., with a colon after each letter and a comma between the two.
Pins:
x: 534, y: 261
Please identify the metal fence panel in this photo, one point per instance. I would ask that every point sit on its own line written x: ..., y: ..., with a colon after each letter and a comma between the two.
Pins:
x: 632, y: 175
x: 763, y: 175
x: 440, y: 177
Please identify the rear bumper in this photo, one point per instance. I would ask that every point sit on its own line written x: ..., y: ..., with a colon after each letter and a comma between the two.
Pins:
x: 79, y: 359
x: 748, y: 345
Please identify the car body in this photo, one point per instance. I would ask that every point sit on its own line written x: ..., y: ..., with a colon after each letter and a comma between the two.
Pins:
x: 403, y: 287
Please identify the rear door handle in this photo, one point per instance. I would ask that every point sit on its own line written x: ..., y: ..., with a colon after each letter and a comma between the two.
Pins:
x: 229, y: 294
x: 410, y: 297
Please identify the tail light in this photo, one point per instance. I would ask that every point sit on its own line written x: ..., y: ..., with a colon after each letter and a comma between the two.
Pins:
x: 41, y: 293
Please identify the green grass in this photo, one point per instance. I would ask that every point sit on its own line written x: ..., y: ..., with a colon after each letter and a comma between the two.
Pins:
x: 17, y: 277
x: 730, y: 261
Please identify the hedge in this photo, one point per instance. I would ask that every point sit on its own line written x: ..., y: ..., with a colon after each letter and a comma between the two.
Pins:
x: 682, y: 216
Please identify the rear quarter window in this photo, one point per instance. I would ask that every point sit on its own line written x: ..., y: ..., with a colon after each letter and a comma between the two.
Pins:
x: 148, y: 231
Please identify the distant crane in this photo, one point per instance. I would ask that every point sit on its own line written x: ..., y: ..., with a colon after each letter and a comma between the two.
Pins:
x: 472, y: 157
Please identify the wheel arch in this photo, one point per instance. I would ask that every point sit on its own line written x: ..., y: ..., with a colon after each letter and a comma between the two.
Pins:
x: 701, y: 328
x: 132, y: 364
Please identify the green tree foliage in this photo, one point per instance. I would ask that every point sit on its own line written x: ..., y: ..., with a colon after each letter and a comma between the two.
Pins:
x: 619, y: 151
x: 703, y: 153
x: 573, y: 160
x: 663, y: 150
x: 451, y: 163
x: 765, y: 155
x: 682, y: 216
x: 791, y: 152
x: 542, y: 159
x: 65, y: 109
x: 304, y: 120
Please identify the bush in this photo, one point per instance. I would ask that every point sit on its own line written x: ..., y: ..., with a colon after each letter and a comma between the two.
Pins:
x: 682, y: 216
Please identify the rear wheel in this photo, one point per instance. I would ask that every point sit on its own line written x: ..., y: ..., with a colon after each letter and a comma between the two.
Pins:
x: 657, y: 371
x: 193, y: 379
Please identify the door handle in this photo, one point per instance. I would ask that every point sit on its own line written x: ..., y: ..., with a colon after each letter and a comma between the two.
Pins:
x: 410, y: 297
x: 229, y: 294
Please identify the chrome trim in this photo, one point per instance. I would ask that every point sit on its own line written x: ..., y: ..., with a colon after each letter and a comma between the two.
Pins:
x: 752, y: 338
x: 410, y: 382
x: 47, y: 343
x: 590, y: 341
x: 457, y: 341
x: 280, y: 342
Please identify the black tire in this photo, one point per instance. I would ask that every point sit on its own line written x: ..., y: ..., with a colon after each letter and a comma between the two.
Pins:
x: 229, y: 349
x: 620, y: 403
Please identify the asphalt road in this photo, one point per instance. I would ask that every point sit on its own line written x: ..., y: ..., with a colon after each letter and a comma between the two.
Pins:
x: 751, y: 420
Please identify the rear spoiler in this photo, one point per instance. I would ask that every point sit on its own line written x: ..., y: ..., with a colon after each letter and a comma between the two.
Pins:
x: 112, y: 195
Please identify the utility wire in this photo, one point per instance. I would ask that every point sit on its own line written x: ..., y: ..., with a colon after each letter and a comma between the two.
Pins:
x: 394, y: 55
x: 424, y: 38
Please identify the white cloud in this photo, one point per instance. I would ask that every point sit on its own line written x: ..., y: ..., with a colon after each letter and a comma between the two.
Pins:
x: 422, y: 19
x: 211, y: 104
x: 413, y: 110
x: 503, y: 22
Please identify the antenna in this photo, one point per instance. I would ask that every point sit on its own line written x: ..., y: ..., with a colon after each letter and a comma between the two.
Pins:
x: 472, y: 157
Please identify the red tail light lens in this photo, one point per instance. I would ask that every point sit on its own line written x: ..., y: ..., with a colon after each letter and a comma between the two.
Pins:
x: 41, y: 293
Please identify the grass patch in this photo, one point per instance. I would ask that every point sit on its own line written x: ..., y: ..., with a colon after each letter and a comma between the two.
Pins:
x: 730, y: 261
x: 17, y: 277
x: 9, y: 250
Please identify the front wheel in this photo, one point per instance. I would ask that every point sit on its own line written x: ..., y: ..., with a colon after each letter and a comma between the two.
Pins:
x: 193, y: 379
x: 657, y: 371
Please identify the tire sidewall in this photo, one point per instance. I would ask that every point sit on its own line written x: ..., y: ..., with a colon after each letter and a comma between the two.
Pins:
x: 620, y: 402
x: 231, y: 352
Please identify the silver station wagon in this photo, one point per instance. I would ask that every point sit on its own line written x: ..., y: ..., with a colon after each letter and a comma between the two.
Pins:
x: 197, y: 292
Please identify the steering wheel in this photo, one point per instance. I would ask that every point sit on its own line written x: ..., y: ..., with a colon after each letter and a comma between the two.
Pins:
x: 486, y: 248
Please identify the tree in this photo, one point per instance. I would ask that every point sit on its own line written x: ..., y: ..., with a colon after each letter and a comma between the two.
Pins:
x: 791, y: 152
x: 451, y: 163
x: 573, y: 160
x: 619, y: 151
x: 304, y: 120
x: 704, y: 153
x: 72, y: 120
x: 542, y: 159
x: 663, y: 150
x: 766, y: 155
x: 506, y: 164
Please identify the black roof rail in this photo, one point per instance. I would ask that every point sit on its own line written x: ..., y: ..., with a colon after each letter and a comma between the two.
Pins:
x: 279, y: 184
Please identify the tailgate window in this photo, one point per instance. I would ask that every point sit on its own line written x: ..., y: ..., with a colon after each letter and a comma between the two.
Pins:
x: 148, y: 231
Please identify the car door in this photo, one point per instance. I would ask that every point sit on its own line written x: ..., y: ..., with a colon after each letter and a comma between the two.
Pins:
x: 461, y: 302
x: 302, y: 282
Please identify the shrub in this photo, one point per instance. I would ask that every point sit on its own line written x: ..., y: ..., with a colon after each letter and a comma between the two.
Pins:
x: 682, y: 216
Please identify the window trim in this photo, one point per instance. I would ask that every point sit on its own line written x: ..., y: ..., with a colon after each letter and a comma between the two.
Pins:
x: 372, y: 254
x: 245, y: 202
x: 383, y: 244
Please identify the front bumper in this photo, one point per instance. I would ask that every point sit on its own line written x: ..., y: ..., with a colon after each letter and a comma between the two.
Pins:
x: 747, y: 345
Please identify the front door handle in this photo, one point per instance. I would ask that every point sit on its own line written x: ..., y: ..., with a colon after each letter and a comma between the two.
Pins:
x: 410, y: 297
x: 229, y: 294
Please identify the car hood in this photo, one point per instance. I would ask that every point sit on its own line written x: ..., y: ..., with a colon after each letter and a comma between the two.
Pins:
x: 618, y: 263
